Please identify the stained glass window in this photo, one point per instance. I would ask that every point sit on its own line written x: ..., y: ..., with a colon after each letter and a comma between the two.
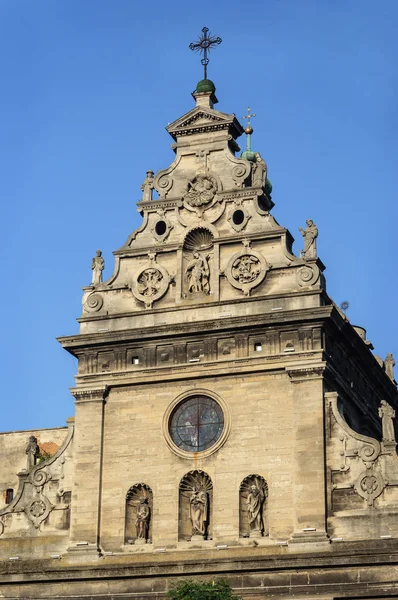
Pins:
x: 196, y: 424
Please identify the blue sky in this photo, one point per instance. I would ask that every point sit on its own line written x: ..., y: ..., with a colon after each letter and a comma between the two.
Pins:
x: 87, y: 90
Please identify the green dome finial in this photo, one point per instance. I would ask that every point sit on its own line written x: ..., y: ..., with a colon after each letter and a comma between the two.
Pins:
x: 205, y: 85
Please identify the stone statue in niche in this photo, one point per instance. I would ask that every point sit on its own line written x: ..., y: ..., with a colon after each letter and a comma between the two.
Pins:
x: 310, y: 234
x: 97, y: 267
x: 195, y: 505
x: 199, y: 511
x: 139, y: 503
x: 148, y: 186
x: 259, y: 172
x: 246, y: 268
x: 143, y: 518
x: 149, y: 282
x: 387, y: 414
x: 389, y: 365
x: 198, y: 274
x: 32, y: 450
x: 254, y: 503
x: 253, y: 493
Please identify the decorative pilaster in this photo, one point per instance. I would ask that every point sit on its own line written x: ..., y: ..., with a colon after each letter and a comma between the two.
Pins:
x: 86, y: 492
x: 309, y: 482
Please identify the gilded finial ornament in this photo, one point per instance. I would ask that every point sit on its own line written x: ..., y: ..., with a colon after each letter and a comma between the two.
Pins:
x: 248, y: 153
x: 204, y: 44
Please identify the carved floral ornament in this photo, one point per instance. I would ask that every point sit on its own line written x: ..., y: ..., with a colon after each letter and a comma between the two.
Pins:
x: 151, y: 282
x: 246, y: 269
x: 201, y: 192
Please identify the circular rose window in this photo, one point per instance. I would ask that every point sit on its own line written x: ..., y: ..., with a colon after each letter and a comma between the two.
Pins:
x: 196, y: 424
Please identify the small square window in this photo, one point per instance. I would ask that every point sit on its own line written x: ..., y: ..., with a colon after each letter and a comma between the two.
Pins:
x: 135, y: 360
x: 258, y: 347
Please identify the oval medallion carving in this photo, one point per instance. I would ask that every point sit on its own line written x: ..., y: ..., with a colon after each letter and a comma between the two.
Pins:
x: 150, y: 283
x: 246, y: 269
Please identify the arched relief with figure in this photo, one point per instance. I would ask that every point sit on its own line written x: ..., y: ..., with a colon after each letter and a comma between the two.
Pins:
x: 253, y: 494
x: 195, y: 507
x: 139, y: 507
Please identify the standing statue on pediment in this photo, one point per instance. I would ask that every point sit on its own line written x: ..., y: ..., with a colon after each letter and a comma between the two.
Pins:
x: 148, y: 186
x: 259, y: 173
x: 387, y: 414
x: 32, y: 450
x: 310, y: 234
x: 198, y: 273
x: 97, y: 267
x: 389, y: 365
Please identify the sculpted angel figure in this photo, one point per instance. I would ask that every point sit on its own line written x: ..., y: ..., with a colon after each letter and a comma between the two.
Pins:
x: 198, y: 273
x: 31, y: 450
x: 143, y: 517
x: 254, y: 505
x: 387, y: 414
x: 310, y: 234
x: 198, y: 511
x: 97, y: 266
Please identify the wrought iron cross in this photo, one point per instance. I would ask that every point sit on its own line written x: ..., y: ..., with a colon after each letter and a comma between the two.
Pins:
x: 204, y: 44
x: 248, y: 117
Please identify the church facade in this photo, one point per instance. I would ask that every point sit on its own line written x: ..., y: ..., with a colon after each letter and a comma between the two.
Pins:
x: 230, y: 421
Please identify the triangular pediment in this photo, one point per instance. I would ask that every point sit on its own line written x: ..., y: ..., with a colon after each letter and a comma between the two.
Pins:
x: 201, y: 119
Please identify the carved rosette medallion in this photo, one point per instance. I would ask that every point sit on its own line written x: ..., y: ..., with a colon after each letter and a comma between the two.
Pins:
x: 38, y: 510
x: 307, y: 275
x: 369, y: 485
x: 246, y: 269
x: 151, y: 282
x: 94, y: 302
x: 201, y: 192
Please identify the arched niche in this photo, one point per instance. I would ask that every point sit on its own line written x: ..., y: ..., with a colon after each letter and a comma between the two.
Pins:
x: 253, y: 495
x: 139, y: 511
x: 195, y: 507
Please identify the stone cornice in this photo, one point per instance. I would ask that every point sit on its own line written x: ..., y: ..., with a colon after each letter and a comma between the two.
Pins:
x: 89, y: 395
x: 312, y: 316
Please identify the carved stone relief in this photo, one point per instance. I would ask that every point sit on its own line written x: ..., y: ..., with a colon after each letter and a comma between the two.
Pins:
x: 195, y: 506
x: 151, y: 282
x: 246, y: 269
x: 253, y: 493
x: 358, y: 469
x: 41, y: 491
x: 139, y: 507
x: 198, y: 273
x: 201, y: 190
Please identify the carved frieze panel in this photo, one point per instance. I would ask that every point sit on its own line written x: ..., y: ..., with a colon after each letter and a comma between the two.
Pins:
x: 165, y: 355
x: 151, y: 282
x: 226, y: 348
x: 246, y: 269
x: 195, y: 351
